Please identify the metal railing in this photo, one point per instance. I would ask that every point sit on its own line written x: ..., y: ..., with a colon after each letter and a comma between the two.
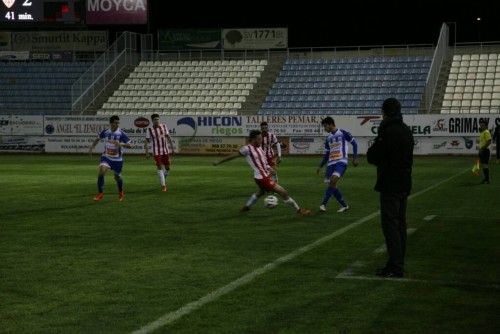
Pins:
x: 103, y: 71
x: 309, y: 53
x: 440, y: 54
x: 479, y: 47
x: 361, y: 51
x: 204, y: 55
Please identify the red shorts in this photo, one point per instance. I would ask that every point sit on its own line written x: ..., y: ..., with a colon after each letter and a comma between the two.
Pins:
x: 162, y: 160
x: 266, y: 184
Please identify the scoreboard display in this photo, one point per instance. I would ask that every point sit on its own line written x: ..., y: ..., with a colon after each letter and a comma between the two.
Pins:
x: 21, y: 10
x: 40, y: 11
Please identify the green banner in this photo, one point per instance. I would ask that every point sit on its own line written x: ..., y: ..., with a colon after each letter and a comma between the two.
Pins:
x: 185, y: 39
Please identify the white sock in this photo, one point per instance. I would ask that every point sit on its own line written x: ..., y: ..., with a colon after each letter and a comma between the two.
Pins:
x: 165, y: 172
x: 162, y: 177
x: 290, y: 201
x: 252, y: 200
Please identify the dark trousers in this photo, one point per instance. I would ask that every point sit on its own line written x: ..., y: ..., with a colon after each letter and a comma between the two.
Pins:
x: 498, y: 149
x: 393, y: 216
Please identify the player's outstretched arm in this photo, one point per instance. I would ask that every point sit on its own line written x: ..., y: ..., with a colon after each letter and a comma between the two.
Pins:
x: 323, y: 162
x: 226, y: 159
x: 169, y: 139
x: 93, y: 145
x: 354, y: 152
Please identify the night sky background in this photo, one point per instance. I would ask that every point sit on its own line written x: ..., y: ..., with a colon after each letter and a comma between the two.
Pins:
x: 338, y: 23
x: 314, y: 23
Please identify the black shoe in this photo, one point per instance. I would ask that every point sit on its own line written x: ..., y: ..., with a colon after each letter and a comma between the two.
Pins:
x: 389, y: 273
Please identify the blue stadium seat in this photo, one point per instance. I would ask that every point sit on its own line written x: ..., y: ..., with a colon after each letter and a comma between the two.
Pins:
x: 356, y: 84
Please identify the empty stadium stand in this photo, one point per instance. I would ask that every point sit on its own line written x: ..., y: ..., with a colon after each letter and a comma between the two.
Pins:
x: 38, y: 87
x: 356, y: 85
x: 473, y: 84
x: 186, y: 87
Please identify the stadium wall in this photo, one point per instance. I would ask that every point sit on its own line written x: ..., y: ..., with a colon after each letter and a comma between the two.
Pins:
x: 434, y: 134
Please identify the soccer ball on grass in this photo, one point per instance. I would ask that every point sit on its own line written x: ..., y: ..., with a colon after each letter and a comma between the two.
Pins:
x: 270, y: 201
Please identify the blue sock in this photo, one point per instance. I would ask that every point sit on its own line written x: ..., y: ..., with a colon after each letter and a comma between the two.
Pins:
x: 119, y: 182
x: 100, y: 183
x: 328, y: 193
x: 338, y: 196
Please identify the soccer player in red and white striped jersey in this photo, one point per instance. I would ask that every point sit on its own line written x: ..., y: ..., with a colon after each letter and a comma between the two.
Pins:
x: 262, y: 173
x: 270, y: 145
x: 158, y: 136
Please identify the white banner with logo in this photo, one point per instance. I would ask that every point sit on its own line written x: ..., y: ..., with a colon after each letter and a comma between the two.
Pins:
x: 434, y: 134
x: 359, y: 126
x: 21, y: 125
x: 84, y: 40
x: 185, y: 126
x: 81, y: 144
x: 22, y: 144
x: 423, y: 145
x: 240, y: 126
x: 255, y: 39
x: 74, y: 125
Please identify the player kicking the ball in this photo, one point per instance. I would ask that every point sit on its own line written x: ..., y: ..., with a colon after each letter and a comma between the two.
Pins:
x: 112, y: 158
x: 336, y: 157
x: 256, y: 158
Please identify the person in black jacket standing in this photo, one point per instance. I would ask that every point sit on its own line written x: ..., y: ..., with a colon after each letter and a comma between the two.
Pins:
x: 392, y: 153
x: 496, y: 139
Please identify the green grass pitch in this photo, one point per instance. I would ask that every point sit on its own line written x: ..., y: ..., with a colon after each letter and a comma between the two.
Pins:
x: 69, y: 265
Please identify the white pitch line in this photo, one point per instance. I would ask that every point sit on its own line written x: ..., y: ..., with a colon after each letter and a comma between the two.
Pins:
x: 350, y: 270
x: 429, y: 218
x: 380, y: 249
x: 413, y: 280
x: 170, y: 317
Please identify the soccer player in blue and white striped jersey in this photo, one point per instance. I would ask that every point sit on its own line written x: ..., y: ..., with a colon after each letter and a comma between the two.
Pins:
x: 336, y: 157
x: 112, y: 158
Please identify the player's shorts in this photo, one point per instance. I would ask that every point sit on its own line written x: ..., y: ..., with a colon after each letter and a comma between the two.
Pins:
x: 266, y: 184
x: 115, y: 166
x: 484, y: 156
x: 337, y: 169
x: 162, y: 160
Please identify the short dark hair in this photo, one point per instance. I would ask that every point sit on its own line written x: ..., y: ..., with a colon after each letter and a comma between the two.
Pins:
x: 327, y: 121
x: 391, y: 107
x: 263, y: 123
x: 113, y: 118
x: 155, y: 116
x: 483, y: 121
x: 254, y: 133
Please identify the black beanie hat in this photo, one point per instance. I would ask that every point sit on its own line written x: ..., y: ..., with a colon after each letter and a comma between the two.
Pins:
x: 391, y: 107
